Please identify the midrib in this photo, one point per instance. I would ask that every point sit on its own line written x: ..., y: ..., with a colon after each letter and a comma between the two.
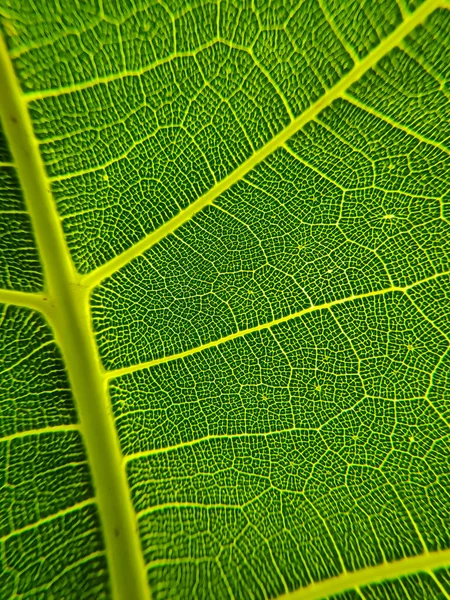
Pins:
x: 68, y: 313
x: 67, y: 310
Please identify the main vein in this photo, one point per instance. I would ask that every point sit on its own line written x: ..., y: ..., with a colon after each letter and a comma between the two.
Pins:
x: 68, y: 314
x: 96, y: 276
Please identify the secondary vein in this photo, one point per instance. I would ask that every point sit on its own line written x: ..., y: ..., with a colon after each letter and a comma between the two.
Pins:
x: 416, y: 18
x: 267, y: 325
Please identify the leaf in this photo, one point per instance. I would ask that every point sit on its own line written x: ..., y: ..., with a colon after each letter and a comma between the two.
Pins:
x: 225, y: 290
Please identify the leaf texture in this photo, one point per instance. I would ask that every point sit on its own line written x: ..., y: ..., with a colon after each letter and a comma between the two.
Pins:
x: 225, y: 288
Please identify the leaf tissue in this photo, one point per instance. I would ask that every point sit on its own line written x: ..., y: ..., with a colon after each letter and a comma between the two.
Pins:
x: 225, y: 299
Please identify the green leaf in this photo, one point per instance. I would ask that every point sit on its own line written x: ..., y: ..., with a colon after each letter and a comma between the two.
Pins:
x: 225, y: 300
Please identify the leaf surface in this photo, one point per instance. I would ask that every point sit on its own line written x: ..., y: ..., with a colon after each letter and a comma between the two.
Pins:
x: 225, y: 288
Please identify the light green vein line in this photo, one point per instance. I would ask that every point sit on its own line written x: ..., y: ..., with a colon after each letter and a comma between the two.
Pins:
x: 131, y: 147
x: 179, y: 505
x: 96, y: 276
x: 339, y: 36
x: 41, y: 431
x: 84, y: 85
x: 164, y: 562
x: 403, y: 8
x: 212, y: 438
x: 369, y: 109
x: 49, y: 584
x: 244, y: 332
x: 37, y: 302
x: 371, y: 575
x: 26, y: 357
x: 439, y: 585
x: 70, y: 321
x: 268, y: 325
x: 427, y: 318
x: 6, y: 164
x: 48, y: 519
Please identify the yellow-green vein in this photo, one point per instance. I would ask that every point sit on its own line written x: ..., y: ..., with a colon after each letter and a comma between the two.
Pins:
x: 96, y: 276
x: 70, y: 320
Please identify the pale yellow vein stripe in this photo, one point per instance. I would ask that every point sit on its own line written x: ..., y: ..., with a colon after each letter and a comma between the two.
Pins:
x: 369, y: 109
x: 49, y: 519
x: 85, y: 85
x: 370, y: 575
x: 29, y: 300
x: 40, y: 431
x: 96, y: 276
x: 439, y: 585
x: 403, y: 8
x: 42, y: 590
x: 388, y: 571
x: 180, y: 505
x: 243, y: 332
x: 213, y: 438
x: 332, y: 22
